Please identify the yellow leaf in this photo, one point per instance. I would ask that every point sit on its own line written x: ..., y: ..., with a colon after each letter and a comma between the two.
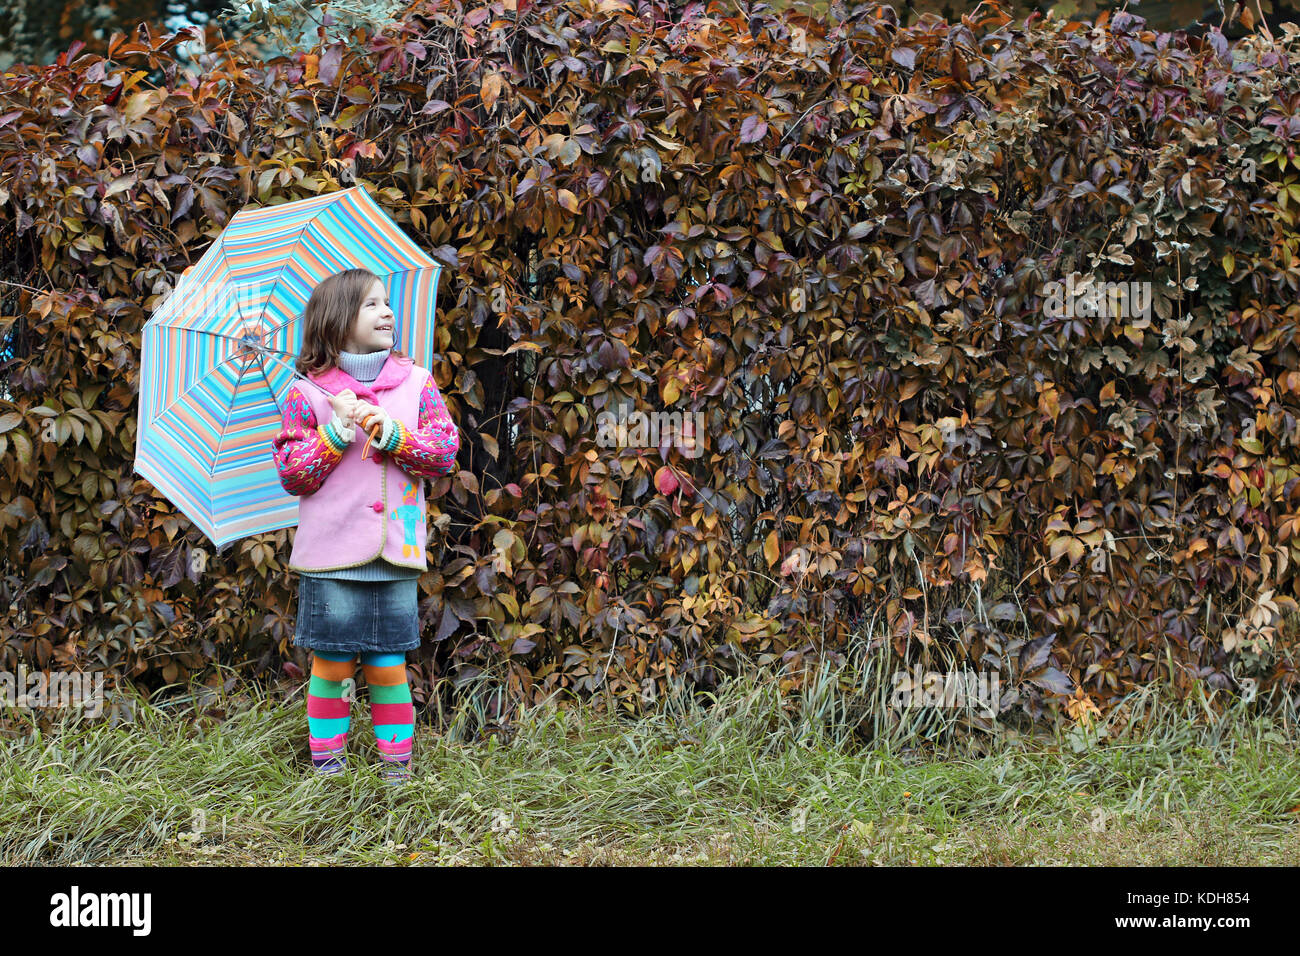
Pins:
x: 345, y: 120
x: 137, y: 105
x: 672, y: 391
x: 22, y: 448
x: 1229, y: 261
x: 492, y: 85
x: 1049, y: 402
x: 524, y: 346
x: 771, y: 549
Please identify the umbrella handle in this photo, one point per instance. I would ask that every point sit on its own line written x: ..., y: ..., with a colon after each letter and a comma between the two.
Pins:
x: 374, y: 433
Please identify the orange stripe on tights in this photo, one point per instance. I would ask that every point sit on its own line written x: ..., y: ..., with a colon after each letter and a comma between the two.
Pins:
x: 333, y: 670
x: 387, y: 676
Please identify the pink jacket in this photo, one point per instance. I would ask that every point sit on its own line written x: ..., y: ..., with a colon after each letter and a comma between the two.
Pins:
x: 372, y: 508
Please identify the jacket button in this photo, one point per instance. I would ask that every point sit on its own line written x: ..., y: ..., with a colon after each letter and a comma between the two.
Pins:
x: 378, y: 506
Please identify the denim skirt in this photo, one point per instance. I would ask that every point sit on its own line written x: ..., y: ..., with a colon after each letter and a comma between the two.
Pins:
x: 335, y: 614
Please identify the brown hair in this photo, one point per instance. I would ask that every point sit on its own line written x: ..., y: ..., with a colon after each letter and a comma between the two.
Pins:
x: 329, y: 316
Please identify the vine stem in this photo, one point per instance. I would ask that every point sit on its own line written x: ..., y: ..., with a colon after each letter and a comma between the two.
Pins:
x: 1178, y: 440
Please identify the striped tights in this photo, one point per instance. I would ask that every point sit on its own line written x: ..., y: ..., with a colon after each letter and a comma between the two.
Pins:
x: 329, y: 698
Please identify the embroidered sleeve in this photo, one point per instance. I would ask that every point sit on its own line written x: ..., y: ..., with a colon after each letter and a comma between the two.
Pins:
x: 305, y: 452
x: 430, y: 450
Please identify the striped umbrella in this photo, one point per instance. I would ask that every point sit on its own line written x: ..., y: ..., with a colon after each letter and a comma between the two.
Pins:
x: 218, y: 353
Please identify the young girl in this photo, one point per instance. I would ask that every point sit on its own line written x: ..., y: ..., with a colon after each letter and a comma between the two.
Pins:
x: 360, y: 544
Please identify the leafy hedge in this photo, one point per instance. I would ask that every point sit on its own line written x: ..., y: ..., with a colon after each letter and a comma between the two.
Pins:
x: 836, y: 244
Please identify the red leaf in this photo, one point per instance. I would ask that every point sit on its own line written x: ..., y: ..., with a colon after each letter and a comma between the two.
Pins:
x: 665, y: 480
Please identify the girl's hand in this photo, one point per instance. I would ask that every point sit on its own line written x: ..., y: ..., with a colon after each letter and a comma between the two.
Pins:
x: 368, y: 416
x: 345, y: 406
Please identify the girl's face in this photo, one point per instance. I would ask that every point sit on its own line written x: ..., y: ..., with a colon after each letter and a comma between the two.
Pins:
x: 373, y: 329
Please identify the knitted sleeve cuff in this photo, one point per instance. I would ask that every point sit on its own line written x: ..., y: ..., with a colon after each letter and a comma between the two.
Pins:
x: 392, y: 436
x: 338, y: 436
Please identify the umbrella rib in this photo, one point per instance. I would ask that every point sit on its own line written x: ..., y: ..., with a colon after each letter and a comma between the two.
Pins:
x: 212, y: 472
x: 271, y: 388
x: 195, y: 384
x: 282, y: 325
x: 279, y: 275
x: 284, y: 262
x: 260, y: 348
x: 234, y: 338
x: 238, y: 381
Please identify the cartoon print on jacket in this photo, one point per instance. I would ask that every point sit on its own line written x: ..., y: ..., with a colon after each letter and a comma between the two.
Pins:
x: 408, y: 514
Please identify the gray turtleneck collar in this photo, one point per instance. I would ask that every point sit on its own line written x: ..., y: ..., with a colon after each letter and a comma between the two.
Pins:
x: 364, y: 366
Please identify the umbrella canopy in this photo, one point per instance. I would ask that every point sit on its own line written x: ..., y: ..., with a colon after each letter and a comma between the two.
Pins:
x: 218, y: 353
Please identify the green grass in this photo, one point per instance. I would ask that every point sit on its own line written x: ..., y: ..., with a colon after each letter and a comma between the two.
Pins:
x: 741, y: 779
